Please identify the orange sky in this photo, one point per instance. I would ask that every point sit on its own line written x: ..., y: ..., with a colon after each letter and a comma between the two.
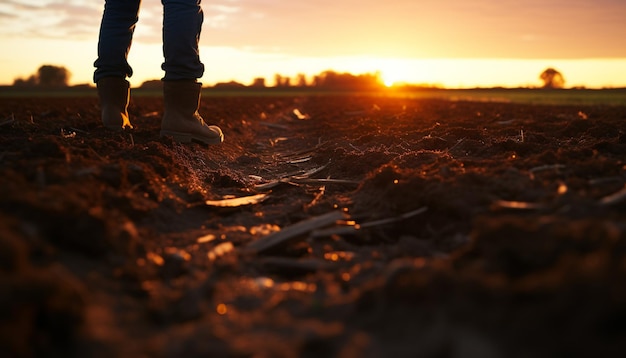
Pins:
x: 453, y: 43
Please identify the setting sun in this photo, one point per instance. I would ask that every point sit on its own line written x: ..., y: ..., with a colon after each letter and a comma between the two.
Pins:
x: 392, y: 77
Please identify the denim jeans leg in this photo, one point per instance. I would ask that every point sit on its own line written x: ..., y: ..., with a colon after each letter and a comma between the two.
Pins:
x: 182, y: 24
x: 116, y: 34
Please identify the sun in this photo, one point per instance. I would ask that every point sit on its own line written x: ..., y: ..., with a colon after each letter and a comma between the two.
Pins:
x: 393, y: 75
x: 389, y: 79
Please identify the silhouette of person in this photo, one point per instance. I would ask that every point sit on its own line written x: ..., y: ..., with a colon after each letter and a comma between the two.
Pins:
x: 182, y: 24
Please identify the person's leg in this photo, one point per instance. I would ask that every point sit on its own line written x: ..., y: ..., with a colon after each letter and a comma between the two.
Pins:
x: 112, y: 68
x: 182, y: 23
x: 116, y: 34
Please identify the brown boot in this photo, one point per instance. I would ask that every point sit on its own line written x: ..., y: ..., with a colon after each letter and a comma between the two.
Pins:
x: 181, y: 119
x: 114, y: 93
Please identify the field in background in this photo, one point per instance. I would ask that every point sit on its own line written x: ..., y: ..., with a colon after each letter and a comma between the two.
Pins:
x: 611, y: 97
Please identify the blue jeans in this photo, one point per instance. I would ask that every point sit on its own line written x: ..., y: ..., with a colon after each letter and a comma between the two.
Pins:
x: 182, y: 23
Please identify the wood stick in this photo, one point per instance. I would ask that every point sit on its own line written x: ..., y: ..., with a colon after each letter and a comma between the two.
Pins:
x: 294, y: 231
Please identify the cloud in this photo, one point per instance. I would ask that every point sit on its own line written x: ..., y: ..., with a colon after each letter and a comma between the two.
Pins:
x: 23, y: 5
x: 50, y: 19
x: 7, y: 15
x: 217, y: 15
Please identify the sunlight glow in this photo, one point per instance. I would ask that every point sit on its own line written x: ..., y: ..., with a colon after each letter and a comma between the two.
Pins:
x: 393, y: 75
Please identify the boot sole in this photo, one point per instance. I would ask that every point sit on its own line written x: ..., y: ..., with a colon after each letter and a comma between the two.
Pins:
x: 188, y: 138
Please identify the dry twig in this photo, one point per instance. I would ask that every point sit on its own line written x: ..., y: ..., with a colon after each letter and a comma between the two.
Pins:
x: 603, y: 181
x: 519, y: 205
x: 350, y: 227
x: 294, y: 231
x: 325, y: 181
x: 300, y: 160
x: 291, y: 178
x: 541, y: 168
x: 395, y: 218
x: 614, y: 198
x: 303, y: 151
x: 236, y: 202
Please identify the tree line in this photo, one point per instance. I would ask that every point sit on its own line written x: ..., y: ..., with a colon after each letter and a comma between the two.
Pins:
x: 327, y: 80
x: 58, y: 76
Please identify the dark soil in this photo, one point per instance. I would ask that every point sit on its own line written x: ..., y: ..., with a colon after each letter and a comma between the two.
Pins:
x: 468, y: 230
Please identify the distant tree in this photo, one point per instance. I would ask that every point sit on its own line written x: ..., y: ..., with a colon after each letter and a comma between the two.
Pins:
x: 282, y: 81
x: 552, y: 78
x: 29, y: 82
x: 278, y: 80
x: 317, y: 81
x: 153, y: 84
x: 47, y: 76
x: 232, y: 85
x: 258, y: 82
x: 301, y: 80
x: 53, y: 76
x: 348, y: 81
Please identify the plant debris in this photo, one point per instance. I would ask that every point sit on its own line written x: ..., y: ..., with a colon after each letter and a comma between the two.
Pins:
x: 237, y: 201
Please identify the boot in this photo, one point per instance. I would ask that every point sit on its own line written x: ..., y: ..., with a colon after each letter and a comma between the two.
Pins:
x: 114, y: 93
x: 181, y: 119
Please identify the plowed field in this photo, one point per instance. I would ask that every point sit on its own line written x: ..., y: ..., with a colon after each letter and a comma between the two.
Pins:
x: 360, y: 227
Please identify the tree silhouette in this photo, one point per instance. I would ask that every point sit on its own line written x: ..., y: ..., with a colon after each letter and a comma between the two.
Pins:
x: 281, y: 81
x: 47, y: 76
x: 29, y: 82
x: 153, y: 84
x: 552, y: 78
x: 258, y: 82
x: 53, y: 76
x: 301, y: 80
x: 347, y: 81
